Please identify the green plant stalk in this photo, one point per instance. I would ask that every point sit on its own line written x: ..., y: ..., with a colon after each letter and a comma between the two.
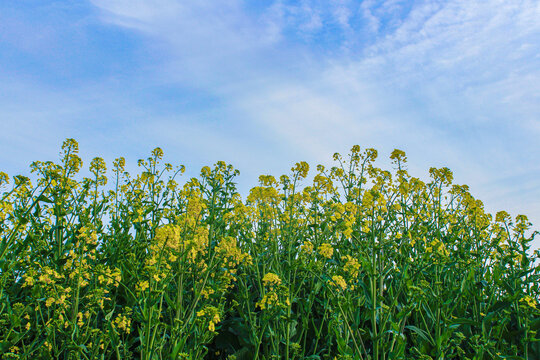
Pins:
x: 11, y: 235
x: 373, y: 288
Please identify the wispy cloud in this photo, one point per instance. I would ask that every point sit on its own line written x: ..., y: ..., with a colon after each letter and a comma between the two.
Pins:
x: 452, y: 82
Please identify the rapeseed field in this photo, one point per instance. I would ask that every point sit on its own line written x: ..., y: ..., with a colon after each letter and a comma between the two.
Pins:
x: 362, y: 263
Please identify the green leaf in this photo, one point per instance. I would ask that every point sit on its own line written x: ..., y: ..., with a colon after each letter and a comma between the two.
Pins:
x: 464, y: 321
x: 45, y: 199
x: 422, y: 333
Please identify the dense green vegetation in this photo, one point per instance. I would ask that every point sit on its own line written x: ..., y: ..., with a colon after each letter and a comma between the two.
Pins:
x: 363, y: 263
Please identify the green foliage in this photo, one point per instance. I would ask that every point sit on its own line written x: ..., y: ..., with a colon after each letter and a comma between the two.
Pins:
x: 363, y: 263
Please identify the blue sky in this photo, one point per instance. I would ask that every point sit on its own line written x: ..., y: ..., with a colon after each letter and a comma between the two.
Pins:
x: 264, y: 84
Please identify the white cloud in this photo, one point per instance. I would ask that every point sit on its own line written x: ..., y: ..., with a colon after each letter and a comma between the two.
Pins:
x: 195, y: 32
x: 342, y: 13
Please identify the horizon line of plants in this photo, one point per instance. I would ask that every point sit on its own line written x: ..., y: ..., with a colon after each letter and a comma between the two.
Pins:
x: 363, y: 263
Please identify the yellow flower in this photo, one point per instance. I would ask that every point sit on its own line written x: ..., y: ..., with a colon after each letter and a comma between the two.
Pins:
x: 80, y: 322
x: 61, y: 300
x: 529, y: 301
x: 28, y: 280
x: 352, y: 266
x: 269, y: 299
x: 169, y: 235
x: 143, y: 285
x: 302, y: 168
x: 438, y: 246
x: 213, y: 314
x: 229, y: 250
x: 339, y: 282
x: 271, y: 279
x: 49, y: 302
x: 122, y: 322
x: 502, y: 216
x: 45, y: 279
x: 205, y: 293
x: 307, y: 247
x: 398, y: 155
x: 326, y: 250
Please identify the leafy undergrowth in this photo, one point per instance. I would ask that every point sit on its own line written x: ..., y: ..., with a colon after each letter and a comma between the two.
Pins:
x: 361, y: 264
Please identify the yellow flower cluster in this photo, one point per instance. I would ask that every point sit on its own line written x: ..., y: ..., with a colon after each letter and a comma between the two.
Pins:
x: 6, y: 209
x: 339, y: 210
x: 339, y: 282
x: 326, y: 250
x: 142, y: 286
x: 232, y: 255
x: 123, y: 322
x: 323, y: 184
x: 270, y: 298
x: 502, y: 216
x: 307, y: 247
x: 444, y: 175
x: 437, y: 245
x: 108, y: 277
x: 351, y: 267
x: 349, y: 218
x: 172, y: 237
x: 271, y: 279
x: 263, y: 201
x: 210, y: 313
x: 87, y: 235
x: 267, y: 180
x: 168, y: 236
x: 206, y: 292
x: 529, y: 301
x: 301, y: 168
